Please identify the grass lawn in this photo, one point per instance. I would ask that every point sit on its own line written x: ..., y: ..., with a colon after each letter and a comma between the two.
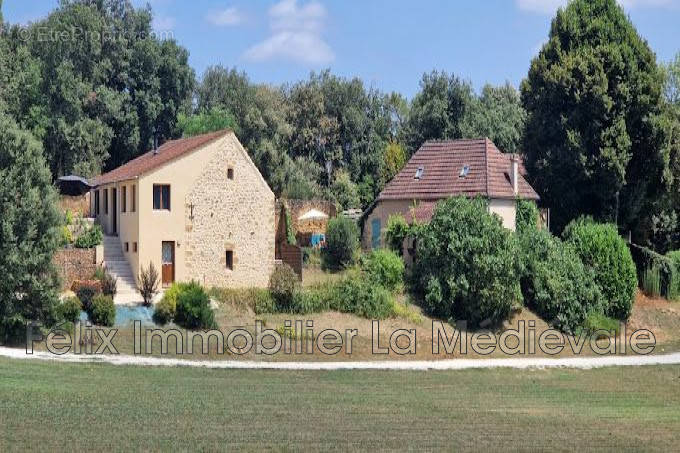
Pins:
x: 77, y: 406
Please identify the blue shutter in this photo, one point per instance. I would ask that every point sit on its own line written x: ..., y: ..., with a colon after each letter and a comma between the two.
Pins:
x: 375, y: 234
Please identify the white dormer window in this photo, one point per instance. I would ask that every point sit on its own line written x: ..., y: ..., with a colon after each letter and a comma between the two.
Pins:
x: 419, y: 173
x: 464, y: 171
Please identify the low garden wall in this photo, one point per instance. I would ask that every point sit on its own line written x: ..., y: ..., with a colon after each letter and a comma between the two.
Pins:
x: 76, y: 264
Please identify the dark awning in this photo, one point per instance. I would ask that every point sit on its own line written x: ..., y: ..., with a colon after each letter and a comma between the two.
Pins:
x: 73, y: 185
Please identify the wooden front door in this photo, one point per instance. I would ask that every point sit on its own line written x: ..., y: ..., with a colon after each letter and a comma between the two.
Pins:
x: 114, y: 216
x: 168, y: 262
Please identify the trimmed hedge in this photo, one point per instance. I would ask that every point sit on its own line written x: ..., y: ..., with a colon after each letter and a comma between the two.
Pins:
x: 555, y: 283
x: 605, y: 254
x: 646, y: 259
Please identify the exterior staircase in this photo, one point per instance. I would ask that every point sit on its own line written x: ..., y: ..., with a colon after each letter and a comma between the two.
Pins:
x: 117, y: 265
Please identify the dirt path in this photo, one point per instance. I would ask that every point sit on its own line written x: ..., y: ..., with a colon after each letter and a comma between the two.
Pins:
x: 456, y: 364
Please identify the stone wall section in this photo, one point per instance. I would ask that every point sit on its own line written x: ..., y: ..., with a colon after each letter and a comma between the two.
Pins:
x: 75, y: 264
x: 236, y: 215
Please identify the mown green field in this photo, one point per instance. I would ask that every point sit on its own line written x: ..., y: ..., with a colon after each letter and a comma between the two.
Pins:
x: 50, y: 406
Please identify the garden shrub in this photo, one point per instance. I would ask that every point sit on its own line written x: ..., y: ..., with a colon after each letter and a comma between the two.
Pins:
x: 526, y: 216
x: 605, y: 254
x: 193, y: 308
x: 109, y: 282
x: 467, y: 266
x: 86, y: 294
x: 148, y: 283
x: 69, y: 309
x: 342, y: 243
x: 650, y: 281
x: 598, y: 321
x: 283, y: 284
x: 357, y: 295
x: 166, y: 308
x: 646, y: 259
x: 102, y: 311
x: 385, y: 268
x: 92, y: 237
x: 555, y: 283
x: 308, y: 301
x: 673, y: 281
x: 396, y: 231
x: 65, y: 236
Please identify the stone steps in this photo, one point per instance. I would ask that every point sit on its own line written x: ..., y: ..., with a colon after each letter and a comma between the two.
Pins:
x: 116, y: 264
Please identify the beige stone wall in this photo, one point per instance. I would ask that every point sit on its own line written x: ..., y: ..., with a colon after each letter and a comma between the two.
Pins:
x: 506, y: 210
x: 236, y: 215
x: 382, y: 211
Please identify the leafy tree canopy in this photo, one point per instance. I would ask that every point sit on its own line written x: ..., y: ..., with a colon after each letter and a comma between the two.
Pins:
x: 593, y: 141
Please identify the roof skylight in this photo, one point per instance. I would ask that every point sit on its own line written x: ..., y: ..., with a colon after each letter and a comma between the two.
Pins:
x: 464, y: 171
x: 419, y: 173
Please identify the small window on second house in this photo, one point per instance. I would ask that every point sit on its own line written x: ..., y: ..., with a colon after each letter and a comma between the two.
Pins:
x: 161, y: 197
x: 134, y: 199
x: 230, y: 173
x: 106, y: 201
x: 419, y: 173
x: 230, y: 259
x: 123, y: 204
x: 134, y: 247
x: 127, y: 247
x: 96, y: 203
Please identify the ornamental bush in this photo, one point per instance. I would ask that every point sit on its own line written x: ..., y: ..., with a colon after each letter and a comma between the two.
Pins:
x: 555, y: 283
x: 90, y: 238
x: 606, y: 256
x: 166, y: 308
x: 385, y: 268
x: 86, y: 294
x: 102, y: 311
x: 193, y: 308
x: 396, y: 231
x: 283, y: 284
x: 467, y: 266
x: 342, y: 243
x: 69, y: 310
x: 358, y: 295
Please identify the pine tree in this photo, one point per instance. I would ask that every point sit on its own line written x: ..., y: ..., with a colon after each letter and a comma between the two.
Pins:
x: 29, y: 221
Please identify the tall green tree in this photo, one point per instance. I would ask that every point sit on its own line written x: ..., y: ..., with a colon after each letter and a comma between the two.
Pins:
x: 497, y: 114
x: 438, y: 110
x: 29, y: 224
x: 99, y: 84
x: 593, y: 141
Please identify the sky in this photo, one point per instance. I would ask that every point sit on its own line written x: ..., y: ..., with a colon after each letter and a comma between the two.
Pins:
x: 387, y: 43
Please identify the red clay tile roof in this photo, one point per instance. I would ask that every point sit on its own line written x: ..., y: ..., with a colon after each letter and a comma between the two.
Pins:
x: 170, y: 150
x: 442, y: 162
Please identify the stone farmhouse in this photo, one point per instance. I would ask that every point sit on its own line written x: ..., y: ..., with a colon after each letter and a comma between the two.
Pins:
x: 441, y: 169
x: 197, y: 208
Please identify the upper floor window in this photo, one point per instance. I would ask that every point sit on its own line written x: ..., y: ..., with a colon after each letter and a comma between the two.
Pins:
x: 134, y: 198
x: 161, y: 197
x: 230, y: 173
x: 96, y: 203
x: 123, y: 204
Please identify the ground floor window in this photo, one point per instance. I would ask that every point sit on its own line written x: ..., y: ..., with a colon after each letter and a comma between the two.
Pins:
x: 230, y: 259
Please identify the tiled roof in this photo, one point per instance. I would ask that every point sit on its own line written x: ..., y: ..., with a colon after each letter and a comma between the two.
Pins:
x: 488, y: 173
x: 169, y: 151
